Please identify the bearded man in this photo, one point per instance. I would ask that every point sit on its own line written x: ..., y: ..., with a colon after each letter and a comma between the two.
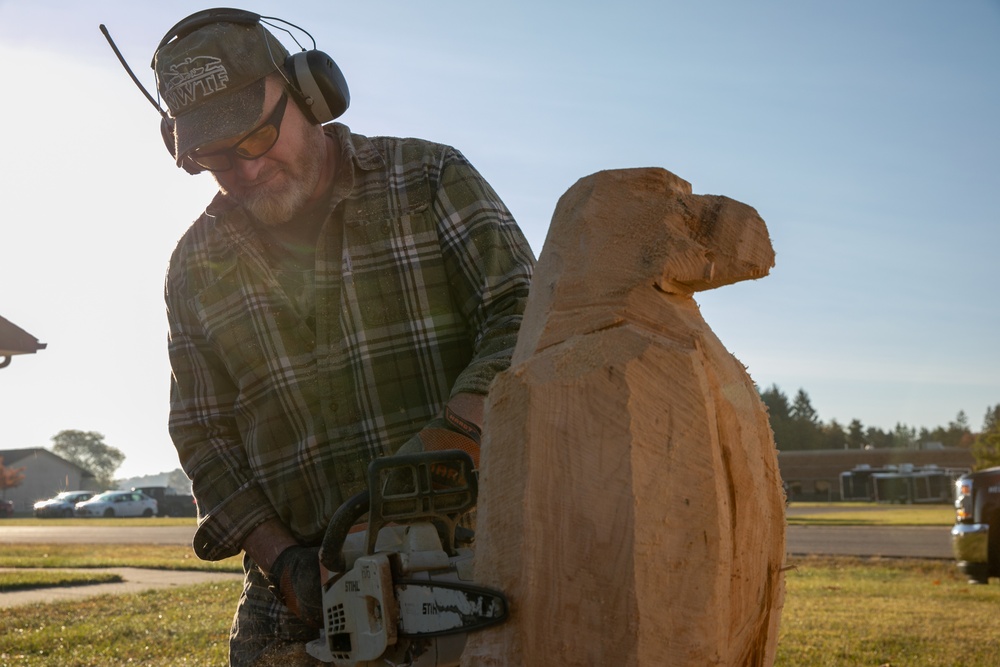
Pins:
x: 341, y: 298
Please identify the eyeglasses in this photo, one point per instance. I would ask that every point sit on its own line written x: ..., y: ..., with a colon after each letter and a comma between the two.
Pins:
x: 259, y: 141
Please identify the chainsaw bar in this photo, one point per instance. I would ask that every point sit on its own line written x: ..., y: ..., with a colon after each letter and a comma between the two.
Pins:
x: 433, y: 608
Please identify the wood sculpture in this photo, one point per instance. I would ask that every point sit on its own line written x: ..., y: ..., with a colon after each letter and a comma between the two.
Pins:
x: 631, y: 505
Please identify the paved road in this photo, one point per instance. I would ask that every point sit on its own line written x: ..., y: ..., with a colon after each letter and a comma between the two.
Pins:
x: 908, y: 542
x: 894, y: 541
x: 96, y: 534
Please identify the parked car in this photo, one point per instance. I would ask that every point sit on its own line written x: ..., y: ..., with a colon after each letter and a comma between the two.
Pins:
x: 169, y: 502
x: 6, y: 508
x: 62, y: 504
x: 117, y: 503
x: 975, y: 537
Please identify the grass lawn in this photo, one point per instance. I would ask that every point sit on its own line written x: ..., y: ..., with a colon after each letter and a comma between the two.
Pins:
x: 869, y: 514
x: 839, y: 612
x: 157, y: 556
x: 849, y: 612
x: 179, y: 626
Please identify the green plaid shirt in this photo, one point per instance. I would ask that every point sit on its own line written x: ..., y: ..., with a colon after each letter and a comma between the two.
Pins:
x: 419, y: 284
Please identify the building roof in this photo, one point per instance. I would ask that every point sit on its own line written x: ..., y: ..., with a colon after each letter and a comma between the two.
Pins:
x: 11, y: 457
x: 15, y: 340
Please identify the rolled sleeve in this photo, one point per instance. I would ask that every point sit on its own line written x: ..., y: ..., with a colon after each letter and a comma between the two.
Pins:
x: 223, y: 528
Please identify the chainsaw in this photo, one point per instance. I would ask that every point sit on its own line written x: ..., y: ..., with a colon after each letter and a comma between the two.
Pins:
x: 401, y: 592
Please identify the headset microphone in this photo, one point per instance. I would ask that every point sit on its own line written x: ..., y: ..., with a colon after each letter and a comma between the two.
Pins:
x: 166, y: 122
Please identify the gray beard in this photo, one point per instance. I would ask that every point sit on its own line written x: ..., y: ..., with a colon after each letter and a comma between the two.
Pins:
x: 275, y: 209
x: 278, y: 206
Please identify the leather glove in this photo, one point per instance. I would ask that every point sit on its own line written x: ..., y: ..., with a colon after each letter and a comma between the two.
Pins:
x: 294, y: 580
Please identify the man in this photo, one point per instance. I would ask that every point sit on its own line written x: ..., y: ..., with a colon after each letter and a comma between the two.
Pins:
x: 341, y: 298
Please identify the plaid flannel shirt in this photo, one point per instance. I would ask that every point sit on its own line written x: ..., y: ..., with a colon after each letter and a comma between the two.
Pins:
x: 421, y: 278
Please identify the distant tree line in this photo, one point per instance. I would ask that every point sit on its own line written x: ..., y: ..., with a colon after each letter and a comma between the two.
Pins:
x: 797, y: 426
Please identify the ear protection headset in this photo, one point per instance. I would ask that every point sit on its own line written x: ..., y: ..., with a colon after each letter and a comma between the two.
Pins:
x: 314, y: 79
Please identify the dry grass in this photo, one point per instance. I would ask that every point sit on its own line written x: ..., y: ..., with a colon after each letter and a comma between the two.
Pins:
x: 846, y: 612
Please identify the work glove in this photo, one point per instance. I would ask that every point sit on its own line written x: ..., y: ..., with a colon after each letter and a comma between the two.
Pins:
x: 449, y: 431
x: 294, y: 580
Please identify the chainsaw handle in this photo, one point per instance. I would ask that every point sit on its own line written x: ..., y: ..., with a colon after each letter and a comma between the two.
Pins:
x: 331, y: 551
x: 401, y: 489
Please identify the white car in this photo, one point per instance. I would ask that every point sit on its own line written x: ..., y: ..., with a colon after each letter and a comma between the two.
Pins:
x: 118, y: 503
x: 62, y: 504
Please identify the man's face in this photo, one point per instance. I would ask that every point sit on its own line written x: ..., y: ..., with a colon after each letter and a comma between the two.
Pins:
x: 279, y: 184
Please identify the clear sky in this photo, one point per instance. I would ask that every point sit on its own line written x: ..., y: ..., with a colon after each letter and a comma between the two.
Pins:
x: 866, y: 134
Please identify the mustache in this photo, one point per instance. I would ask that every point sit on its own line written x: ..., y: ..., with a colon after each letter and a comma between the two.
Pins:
x: 263, y: 180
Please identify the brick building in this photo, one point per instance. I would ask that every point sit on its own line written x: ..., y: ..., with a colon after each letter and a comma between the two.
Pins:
x: 816, y: 475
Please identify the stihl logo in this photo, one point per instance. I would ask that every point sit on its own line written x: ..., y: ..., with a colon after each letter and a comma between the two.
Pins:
x: 196, y: 77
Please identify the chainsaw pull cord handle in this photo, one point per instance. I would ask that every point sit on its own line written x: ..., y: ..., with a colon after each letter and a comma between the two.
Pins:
x: 331, y: 550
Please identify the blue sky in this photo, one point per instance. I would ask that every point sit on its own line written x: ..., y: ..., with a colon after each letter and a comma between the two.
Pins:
x: 864, y: 133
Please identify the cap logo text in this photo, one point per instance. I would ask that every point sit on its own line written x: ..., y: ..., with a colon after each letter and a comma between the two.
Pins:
x: 199, y: 76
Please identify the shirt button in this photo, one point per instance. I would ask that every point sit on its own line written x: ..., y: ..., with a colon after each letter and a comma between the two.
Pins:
x: 334, y: 405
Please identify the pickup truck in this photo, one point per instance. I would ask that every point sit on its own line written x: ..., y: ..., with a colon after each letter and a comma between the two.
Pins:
x: 975, y: 537
x: 169, y: 502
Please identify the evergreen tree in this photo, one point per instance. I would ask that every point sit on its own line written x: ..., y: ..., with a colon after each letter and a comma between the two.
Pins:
x: 856, y: 435
x: 834, y: 436
x: 802, y: 409
x: 878, y: 438
x: 956, y: 434
x: 986, y: 447
x: 805, y: 423
x: 796, y: 426
x: 779, y: 415
x: 904, y: 436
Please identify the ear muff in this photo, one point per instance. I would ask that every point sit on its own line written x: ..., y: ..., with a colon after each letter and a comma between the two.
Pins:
x: 313, y: 77
x: 320, y: 83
